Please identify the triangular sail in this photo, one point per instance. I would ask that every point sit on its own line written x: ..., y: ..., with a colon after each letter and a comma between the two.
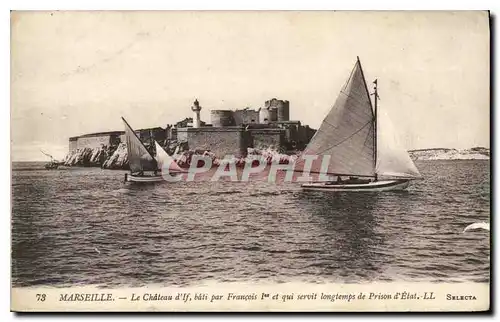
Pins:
x: 165, y: 161
x: 393, y: 159
x: 346, y: 136
x: 138, y: 156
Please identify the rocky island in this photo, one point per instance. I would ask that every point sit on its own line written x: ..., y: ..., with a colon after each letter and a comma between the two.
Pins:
x: 267, y: 131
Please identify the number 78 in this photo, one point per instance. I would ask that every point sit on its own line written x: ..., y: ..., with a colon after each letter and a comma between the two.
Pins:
x: 40, y: 297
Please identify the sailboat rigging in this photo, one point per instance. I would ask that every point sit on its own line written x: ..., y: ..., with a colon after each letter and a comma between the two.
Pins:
x: 353, y: 144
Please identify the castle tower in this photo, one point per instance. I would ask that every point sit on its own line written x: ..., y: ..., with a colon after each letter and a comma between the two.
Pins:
x: 196, y: 108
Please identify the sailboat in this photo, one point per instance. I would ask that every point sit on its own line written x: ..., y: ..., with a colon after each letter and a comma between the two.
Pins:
x: 355, y: 148
x: 141, y: 161
x: 53, y: 164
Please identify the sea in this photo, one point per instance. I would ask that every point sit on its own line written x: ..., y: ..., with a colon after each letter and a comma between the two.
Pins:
x: 86, y: 226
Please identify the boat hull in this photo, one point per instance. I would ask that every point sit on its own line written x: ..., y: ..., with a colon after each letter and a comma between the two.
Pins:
x: 143, y: 179
x: 146, y: 179
x: 51, y: 166
x: 382, y: 185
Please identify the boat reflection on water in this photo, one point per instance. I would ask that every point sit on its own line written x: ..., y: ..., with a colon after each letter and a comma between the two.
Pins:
x: 352, y: 241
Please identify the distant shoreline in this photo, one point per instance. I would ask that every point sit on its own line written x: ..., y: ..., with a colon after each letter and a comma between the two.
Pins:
x: 458, y: 149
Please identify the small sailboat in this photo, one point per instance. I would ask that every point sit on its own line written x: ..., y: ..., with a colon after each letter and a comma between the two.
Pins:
x: 354, y: 149
x: 143, y: 166
x: 53, y: 164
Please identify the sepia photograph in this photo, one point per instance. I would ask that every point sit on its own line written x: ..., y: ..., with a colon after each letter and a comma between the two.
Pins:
x: 321, y: 161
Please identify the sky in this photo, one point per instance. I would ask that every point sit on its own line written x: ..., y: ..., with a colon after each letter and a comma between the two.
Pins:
x: 78, y: 72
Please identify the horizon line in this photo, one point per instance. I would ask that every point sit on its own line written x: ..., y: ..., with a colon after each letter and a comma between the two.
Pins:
x: 410, y: 150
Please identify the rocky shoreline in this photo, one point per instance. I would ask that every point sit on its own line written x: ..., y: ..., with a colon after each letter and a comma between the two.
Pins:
x: 477, y: 153
x: 117, y: 158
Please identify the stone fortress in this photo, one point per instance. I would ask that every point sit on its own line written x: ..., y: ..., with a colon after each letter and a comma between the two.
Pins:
x: 230, y: 132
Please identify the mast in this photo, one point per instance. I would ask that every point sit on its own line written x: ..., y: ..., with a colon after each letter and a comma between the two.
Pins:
x: 375, y: 93
x: 374, y: 117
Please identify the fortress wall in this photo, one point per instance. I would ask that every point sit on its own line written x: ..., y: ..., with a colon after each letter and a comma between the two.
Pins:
x: 73, y: 144
x: 292, y: 131
x: 302, y: 135
x: 246, y: 116
x: 267, y: 138
x: 283, y: 108
x: 93, y: 141
x: 158, y: 133
x: 222, y: 118
x: 182, y: 134
x: 171, y: 133
x: 220, y: 141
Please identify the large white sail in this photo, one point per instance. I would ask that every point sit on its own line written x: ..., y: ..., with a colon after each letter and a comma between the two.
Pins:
x: 139, y: 157
x: 393, y: 159
x: 346, y: 136
x: 165, y: 161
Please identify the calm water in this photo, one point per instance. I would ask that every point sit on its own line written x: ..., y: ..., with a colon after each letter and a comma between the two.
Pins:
x: 85, y: 226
